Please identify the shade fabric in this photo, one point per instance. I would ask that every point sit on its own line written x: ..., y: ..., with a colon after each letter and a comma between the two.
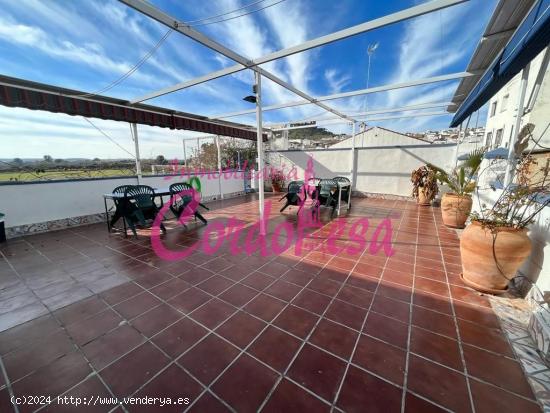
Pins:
x: 31, y: 95
x: 529, y: 39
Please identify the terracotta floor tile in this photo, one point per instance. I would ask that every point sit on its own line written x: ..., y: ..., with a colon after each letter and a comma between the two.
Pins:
x: 323, y: 286
x: 391, y: 308
x: 346, y: 314
x: 436, y: 322
x: 241, y: 329
x: 497, y: 370
x: 489, y: 399
x: 208, y: 403
x: 334, y: 338
x: 170, y: 288
x: 367, y: 268
x: 288, y: 397
x: 246, y: 384
x: 264, y: 307
x: 87, y: 330
x: 432, y: 302
x: 217, y: 264
x: 380, y: 358
x: 487, y: 338
x: 137, y: 305
x: 312, y: 301
x: 120, y: 293
x: 398, y: 277
x: 476, y: 314
x: 396, y: 291
x: 469, y: 296
x: 157, y: 319
x: 297, y: 277
x: 355, y: 296
x: 80, y: 310
x: 436, y: 347
x: 238, y: 295
x: 36, y: 354
x: 238, y: 271
x: 363, y: 281
x: 208, y: 358
x: 53, y: 379
x: 213, y: 313
x: 172, y: 382
x: 361, y: 389
x: 274, y: 269
x: 215, y: 285
x: 336, y: 275
x: 444, y: 386
x: 431, y: 286
x: 196, y: 275
x: 153, y: 279
x: 275, y: 347
x: 112, y: 345
x: 318, y: 371
x: 179, y: 337
x: 283, y: 290
x: 189, y: 300
x: 92, y: 387
x: 414, y: 404
x: 387, y: 329
x: 296, y: 321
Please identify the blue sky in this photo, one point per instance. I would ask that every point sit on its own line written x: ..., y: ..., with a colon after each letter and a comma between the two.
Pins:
x: 87, y: 45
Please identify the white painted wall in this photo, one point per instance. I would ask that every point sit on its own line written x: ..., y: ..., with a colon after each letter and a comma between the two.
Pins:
x: 40, y: 202
x: 377, y: 136
x: 383, y: 170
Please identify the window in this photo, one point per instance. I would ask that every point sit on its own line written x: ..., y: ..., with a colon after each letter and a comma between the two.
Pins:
x: 493, y: 108
x: 498, y: 139
x: 489, y: 139
x: 504, y: 104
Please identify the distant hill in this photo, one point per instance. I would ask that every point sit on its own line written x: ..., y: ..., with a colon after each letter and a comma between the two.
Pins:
x: 313, y: 133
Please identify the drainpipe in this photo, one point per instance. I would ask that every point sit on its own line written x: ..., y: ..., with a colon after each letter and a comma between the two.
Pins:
x: 352, y: 179
x: 219, y: 166
x: 259, y: 145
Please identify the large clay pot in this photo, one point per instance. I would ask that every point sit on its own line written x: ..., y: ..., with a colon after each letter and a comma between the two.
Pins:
x: 423, y: 199
x: 276, y: 187
x: 455, y: 209
x: 490, y: 258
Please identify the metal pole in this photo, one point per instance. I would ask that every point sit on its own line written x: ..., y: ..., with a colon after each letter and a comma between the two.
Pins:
x: 184, y: 154
x: 259, y: 145
x: 511, y: 145
x: 199, y: 152
x: 219, y: 166
x: 134, y: 131
x: 458, y: 144
x: 352, y: 165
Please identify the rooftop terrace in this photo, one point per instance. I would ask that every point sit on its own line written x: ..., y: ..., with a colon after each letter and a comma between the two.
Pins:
x: 313, y: 332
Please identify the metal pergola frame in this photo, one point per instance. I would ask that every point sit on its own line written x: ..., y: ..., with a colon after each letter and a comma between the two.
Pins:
x: 243, y: 63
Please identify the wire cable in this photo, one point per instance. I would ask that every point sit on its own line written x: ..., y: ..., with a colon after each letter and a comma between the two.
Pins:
x: 108, y: 137
x: 190, y: 22
x: 240, y: 15
x: 134, y: 68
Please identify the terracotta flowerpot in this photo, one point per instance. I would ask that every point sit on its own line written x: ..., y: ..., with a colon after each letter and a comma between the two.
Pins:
x: 491, y: 258
x: 276, y: 187
x: 455, y: 209
x: 423, y: 199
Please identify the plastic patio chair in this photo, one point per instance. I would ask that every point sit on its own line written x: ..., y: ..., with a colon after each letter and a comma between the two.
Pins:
x: 142, y: 197
x: 123, y: 206
x: 295, y: 196
x: 326, y: 195
x: 344, y: 193
x: 178, y: 204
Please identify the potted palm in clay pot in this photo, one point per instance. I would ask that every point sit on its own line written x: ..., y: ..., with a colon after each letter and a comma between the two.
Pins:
x: 495, y: 244
x: 457, y: 204
x: 424, y: 185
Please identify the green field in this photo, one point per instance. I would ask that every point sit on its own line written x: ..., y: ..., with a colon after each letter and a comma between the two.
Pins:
x: 58, y: 174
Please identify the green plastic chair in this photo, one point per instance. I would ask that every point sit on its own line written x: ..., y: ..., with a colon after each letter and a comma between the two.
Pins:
x: 123, y: 206
x: 180, y: 202
x: 142, y: 197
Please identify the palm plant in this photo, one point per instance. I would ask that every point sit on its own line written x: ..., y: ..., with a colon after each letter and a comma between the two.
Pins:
x: 461, y: 180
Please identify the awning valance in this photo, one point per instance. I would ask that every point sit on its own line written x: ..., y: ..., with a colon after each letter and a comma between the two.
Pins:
x: 529, y: 39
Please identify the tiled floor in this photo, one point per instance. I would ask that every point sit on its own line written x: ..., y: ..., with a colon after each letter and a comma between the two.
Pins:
x: 321, y: 331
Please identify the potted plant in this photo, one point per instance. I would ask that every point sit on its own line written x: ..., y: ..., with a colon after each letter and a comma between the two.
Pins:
x: 424, y: 185
x: 277, y: 181
x: 495, y: 244
x: 457, y: 204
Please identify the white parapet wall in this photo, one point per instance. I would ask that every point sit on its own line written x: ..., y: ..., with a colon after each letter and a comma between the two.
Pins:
x: 381, y: 170
x: 41, y: 206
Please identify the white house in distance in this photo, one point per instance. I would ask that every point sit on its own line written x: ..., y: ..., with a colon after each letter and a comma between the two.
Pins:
x: 377, y: 136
